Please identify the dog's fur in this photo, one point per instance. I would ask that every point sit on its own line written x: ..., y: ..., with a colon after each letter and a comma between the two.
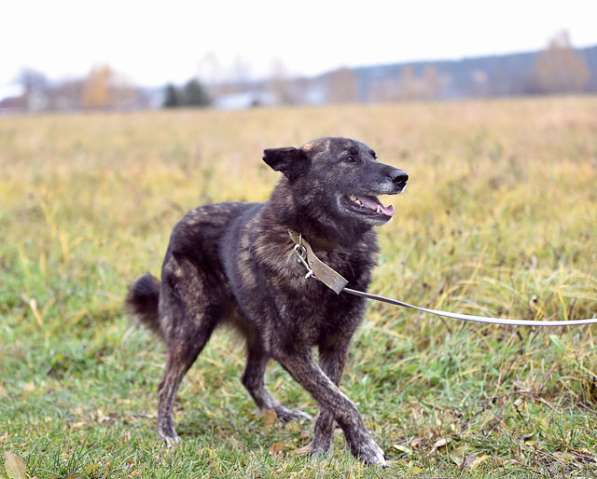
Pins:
x: 233, y: 262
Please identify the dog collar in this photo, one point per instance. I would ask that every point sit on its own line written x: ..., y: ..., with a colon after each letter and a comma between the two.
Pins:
x: 315, y: 267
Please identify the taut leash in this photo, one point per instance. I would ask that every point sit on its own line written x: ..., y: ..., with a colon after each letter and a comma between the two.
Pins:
x: 336, y: 282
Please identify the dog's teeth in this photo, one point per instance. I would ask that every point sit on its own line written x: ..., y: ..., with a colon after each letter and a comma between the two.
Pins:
x: 356, y: 200
x: 378, y: 209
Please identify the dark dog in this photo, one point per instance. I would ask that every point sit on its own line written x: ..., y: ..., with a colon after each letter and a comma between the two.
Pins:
x: 234, y: 262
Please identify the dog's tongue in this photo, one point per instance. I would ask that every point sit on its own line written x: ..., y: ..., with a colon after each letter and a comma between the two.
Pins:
x: 373, y: 204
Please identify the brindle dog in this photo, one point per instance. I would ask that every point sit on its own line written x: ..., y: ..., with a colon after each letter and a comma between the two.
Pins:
x: 233, y: 262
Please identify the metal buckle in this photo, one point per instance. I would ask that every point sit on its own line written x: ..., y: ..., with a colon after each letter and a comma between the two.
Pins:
x: 301, y: 253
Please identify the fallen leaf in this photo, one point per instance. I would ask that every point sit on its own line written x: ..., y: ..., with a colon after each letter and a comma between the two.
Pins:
x: 415, y: 470
x: 28, y: 387
x: 564, y: 457
x: 92, y: 469
x: 406, y: 450
x: 100, y: 417
x: 439, y: 443
x: 416, y: 443
x: 303, y: 451
x: 269, y: 418
x: 472, y: 462
x: 2, y: 391
x: 294, y: 427
x: 14, y: 465
x: 276, y: 449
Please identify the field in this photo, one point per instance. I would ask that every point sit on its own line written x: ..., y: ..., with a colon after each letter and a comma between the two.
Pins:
x: 500, y: 218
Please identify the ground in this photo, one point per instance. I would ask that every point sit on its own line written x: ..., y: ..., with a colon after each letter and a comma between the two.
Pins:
x: 500, y: 218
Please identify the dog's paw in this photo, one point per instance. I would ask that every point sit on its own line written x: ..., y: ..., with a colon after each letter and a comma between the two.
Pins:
x: 171, y: 438
x: 285, y: 415
x: 315, y: 452
x: 369, y: 452
x: 318, y: 451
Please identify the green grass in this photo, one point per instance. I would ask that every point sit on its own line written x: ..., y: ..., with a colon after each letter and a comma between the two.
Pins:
x: 500, y: 218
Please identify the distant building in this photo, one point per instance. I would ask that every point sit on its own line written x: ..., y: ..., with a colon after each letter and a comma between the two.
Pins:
x: 246, y: 99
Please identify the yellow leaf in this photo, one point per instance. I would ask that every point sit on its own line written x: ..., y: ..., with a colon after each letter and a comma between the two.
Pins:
x: 269, y: 418
x: 416, y: 442
x: 414, y: 470
x: 439, y: 443
x: 565, y: 457
x: 303, y: 451
x: 276, y: 449
x: 28, y: 387
x: 406, y: 450
x: 14, y: 465
x: 92, y: 469
x: 478, y: 461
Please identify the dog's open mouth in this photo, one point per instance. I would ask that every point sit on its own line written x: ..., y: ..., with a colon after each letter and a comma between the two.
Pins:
x: 369, y: 205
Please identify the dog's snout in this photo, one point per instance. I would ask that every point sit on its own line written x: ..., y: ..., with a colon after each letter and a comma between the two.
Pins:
x: 398, y: 177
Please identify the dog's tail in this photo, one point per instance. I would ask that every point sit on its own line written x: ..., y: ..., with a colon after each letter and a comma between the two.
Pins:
x: 142, y: 302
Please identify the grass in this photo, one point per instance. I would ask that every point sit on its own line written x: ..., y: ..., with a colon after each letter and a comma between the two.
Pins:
x: 500, y: 218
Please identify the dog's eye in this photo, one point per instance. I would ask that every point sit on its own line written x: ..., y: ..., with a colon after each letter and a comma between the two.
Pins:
x: 351, y: 159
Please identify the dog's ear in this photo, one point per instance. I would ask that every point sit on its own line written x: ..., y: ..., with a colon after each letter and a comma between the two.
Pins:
x: 290, y: 161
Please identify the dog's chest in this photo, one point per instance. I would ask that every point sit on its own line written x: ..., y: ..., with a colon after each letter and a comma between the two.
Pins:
x: 318, y: 311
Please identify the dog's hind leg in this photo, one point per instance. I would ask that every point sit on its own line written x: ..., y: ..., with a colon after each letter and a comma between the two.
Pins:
x: 180, y: 359
x: 182, y: 353
x: 189, y: 313
x: 253, y: 380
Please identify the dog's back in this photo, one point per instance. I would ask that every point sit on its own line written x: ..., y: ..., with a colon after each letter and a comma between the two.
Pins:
x: 193, y: 250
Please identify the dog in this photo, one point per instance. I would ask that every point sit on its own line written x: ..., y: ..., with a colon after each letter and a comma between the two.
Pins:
x: 234, y: 263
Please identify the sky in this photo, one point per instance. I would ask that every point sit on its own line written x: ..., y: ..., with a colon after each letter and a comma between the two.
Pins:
x: 153, y: 42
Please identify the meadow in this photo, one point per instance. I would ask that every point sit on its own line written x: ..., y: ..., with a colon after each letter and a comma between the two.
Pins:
x: 500, y: 218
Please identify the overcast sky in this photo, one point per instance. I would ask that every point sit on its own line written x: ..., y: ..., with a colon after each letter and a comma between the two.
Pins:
x: 159, y: 41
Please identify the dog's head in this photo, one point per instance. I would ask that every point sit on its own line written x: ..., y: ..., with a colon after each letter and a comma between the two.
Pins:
x: 338, y: 178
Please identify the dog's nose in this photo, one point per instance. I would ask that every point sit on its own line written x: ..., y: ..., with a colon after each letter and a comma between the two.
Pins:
x: 399, y: 177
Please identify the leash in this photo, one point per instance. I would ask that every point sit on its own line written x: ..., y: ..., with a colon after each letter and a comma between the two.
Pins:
x: 325, y: 274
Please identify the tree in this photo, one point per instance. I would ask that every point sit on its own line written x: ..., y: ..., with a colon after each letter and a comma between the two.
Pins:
x: 35, y: 88
x: 409, y: 84
x: 194, y: 94
x: 32, y: 81
x: 430, y: 83
x: 559, y: 68
x: 386, y: 88
x: 280, y: 83
x: 106, y: 89
x: 342, y: 86
x: 172, y: 97
x: 96, y: 90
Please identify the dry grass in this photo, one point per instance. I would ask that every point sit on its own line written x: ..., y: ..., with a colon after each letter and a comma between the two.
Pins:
x: 500, y: 218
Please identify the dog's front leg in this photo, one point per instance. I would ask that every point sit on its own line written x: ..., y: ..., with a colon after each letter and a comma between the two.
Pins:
x: 332, y: 358
x: 308, y: 374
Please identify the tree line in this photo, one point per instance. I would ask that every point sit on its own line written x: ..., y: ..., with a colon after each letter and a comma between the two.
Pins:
x: 192, y: 94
